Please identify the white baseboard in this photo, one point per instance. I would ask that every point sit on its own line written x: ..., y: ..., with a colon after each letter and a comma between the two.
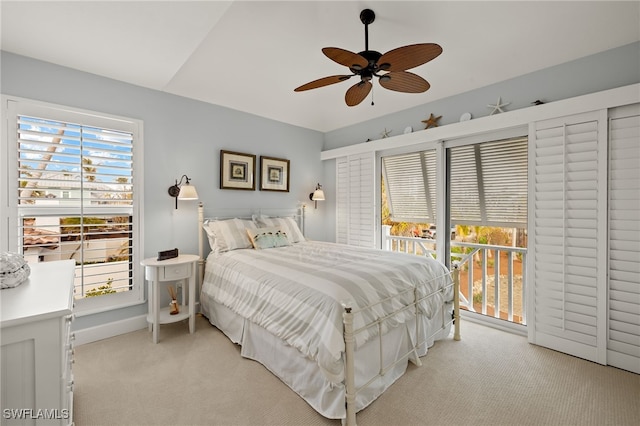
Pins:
x: 112, y: 329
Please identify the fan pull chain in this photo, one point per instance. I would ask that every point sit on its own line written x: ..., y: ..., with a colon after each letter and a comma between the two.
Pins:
x: 372, y: 97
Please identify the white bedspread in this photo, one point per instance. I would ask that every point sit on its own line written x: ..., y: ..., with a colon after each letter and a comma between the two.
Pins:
x: 296, y: 292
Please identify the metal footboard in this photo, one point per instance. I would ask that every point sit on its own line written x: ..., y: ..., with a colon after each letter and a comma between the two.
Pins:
x: 349, y: 339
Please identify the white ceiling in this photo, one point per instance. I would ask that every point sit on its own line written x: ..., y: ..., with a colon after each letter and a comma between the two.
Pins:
x: 250, y: 55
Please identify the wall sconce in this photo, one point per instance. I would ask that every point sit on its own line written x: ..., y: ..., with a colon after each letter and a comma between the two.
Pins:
x: 182, y: 191
x: 317, y: 195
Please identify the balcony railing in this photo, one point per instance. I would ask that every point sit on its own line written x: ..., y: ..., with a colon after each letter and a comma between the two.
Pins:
x: 481, y: 267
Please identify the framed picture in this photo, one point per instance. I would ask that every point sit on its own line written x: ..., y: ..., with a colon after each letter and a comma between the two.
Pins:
x: 274, y: 174
x: 237, y: 170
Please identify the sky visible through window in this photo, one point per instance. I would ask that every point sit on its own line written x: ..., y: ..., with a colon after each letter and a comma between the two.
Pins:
x: 60, y: 147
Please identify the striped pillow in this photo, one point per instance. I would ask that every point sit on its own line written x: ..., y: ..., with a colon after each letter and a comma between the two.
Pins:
x: 229, y: 234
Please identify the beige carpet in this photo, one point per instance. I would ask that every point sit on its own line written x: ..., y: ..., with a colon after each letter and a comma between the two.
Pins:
x: 488, y: 378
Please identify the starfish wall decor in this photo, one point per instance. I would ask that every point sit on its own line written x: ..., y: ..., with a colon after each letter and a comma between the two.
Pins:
x: 498, y: 106
x: 432, y: 121
x: 385, y: 133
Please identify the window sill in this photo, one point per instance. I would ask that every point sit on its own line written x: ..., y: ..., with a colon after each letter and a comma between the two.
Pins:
x: 85, y: 307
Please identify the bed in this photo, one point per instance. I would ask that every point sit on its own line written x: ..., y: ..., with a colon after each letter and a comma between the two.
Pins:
x: 337, y: 324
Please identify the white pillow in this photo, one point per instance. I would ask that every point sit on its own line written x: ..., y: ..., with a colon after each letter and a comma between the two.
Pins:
x: 287, y: 224
x: 229, y: 234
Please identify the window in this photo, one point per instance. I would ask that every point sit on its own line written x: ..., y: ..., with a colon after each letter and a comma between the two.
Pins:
x: 483, y: 204
x: 73, y: 194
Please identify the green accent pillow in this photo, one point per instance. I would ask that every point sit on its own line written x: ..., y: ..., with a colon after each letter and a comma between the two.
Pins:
x: 264, y: 238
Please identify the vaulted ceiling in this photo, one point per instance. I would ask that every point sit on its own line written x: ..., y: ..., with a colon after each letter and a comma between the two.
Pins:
x: 250, y: 55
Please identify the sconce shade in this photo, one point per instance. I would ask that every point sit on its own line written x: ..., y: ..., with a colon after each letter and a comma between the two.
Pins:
x: 188, y: 192
x: 182, y: 191
x: 318, y: 195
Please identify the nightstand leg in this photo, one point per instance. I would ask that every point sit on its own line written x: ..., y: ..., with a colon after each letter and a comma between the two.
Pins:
x: 156, y: 311
x: 192, y: 299
x: 184, y: 284
x: 150, y: 296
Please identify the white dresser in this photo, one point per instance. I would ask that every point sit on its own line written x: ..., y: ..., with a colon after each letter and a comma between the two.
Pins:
x: 37, y: 348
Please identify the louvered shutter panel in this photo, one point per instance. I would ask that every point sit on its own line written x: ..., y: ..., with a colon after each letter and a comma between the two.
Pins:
x: 567, y: 160
x: 623, y: 346
x: 342, y: 200
x: 355, y: 177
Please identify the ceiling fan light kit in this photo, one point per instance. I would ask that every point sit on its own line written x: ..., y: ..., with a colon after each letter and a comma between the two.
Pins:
x: 390, y: 68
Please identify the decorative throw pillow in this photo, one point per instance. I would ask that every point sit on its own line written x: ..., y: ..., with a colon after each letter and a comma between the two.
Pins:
x: 263, y: 238
x: 229, y: 234
x: 286, y: 224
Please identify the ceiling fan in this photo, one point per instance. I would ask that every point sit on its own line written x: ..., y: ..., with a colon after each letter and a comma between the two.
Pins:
x: 390, y: 68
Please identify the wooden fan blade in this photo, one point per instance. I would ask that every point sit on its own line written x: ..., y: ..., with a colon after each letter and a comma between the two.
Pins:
x: 404, y: 81
x: 346, y: 58
x: 357, y: 93
x: 321, y: 82
x: 406, y: 57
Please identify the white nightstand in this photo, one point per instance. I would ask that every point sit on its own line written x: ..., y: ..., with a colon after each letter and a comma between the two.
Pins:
x: 179, y: 268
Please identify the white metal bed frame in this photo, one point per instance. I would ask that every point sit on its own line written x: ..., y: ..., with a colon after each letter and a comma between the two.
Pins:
x: 349, y: 332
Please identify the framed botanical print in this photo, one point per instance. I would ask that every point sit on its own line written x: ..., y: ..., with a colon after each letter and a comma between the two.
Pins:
x: 274, y: 174
x: 237, y: 170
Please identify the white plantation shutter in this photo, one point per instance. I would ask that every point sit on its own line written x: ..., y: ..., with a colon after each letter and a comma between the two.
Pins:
x: 71, y: 182
x: 87, y: 165
x: 624, y: 239
x: 568, y: 197
x: 355, y: 186
x: 342, y: 200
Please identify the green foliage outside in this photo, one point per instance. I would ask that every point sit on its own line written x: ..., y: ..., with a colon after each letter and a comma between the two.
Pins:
x: 102, y: 290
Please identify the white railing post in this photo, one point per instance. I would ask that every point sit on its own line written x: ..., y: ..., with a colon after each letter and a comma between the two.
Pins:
x: 456, y: 302
x: 386, y: 237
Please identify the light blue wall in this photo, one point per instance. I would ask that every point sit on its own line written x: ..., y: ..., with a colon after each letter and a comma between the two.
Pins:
x: 181, y: 136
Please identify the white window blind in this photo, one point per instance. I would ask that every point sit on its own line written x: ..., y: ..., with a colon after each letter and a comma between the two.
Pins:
x: 74, y: 196
x: 410, y: 181
x: 624, y: 239
x: 488, y: 184
x: 568, y: 158
x: 355, y: 211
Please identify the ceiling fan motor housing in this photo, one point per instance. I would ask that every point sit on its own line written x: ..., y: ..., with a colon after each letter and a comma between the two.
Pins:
x: 371, y: 69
